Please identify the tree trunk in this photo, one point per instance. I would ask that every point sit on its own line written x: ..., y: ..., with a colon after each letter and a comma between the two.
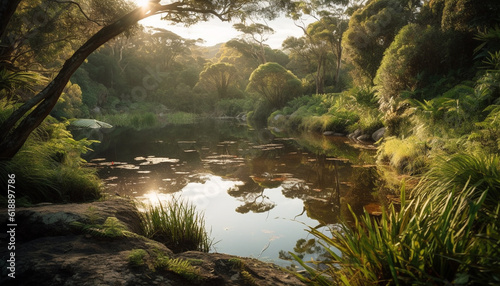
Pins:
x: 339, y: 62
x: 12, y: 136
x: 7, y: 9
x: 320, y: 75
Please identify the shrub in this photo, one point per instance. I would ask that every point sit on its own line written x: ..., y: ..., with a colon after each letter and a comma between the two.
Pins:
x: 406, y: 156
x: 340, y: 121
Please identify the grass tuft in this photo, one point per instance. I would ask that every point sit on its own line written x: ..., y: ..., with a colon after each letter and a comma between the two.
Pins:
x: 177, y: 224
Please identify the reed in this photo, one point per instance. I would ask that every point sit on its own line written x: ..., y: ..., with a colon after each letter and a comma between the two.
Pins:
x: 177, y: 224
x: 448, y: 233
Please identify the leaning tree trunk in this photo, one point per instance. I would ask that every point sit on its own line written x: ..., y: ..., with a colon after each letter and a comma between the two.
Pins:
x: 12, y: 136
x: 7, y: 9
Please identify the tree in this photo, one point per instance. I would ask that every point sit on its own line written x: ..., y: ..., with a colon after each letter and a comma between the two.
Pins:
x: 331, y: 24
x: 256, y: 33
x: 275, y: 83
x: 16, y: 129
x: 416, y: 54
x: 166, y: 46
x: 371, y: 30
x: 219, y: 76
x: 319, y: 49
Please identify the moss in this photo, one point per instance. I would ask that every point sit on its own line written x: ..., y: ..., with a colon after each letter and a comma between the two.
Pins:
x: 136, y: 257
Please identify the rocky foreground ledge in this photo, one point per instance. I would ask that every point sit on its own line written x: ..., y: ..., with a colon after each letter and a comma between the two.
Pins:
x: 52, y: 248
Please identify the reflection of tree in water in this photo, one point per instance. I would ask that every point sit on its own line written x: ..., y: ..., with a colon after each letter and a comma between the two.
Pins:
x: 303, y: 248
x: 361, y: 185
x: 253, y: 198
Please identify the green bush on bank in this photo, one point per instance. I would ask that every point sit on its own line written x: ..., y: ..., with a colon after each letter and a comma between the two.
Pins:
x: 49, y: 167
x: 337, y: 112
x: 408, y: 156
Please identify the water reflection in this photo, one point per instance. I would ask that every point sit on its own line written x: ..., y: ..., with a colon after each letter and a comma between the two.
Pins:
x: 258, y: 192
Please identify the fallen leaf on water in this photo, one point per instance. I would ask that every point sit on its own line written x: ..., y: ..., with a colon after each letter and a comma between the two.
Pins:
x: 374, y: 209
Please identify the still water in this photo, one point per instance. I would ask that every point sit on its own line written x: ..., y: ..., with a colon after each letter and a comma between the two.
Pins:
x: 259, y: 191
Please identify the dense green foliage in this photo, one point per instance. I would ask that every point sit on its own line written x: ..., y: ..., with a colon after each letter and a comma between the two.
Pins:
x: 49, y: 167
x: 340, y: 113
x: 427, y: 71
x: 436, y: 88
x: 447, y: 232
x: 274, y: 83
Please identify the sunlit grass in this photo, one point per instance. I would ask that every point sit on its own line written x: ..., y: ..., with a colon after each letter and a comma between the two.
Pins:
x: 406, y: 156
x: 137, y: 120
x: 181, y: 118
x: 177, y: 224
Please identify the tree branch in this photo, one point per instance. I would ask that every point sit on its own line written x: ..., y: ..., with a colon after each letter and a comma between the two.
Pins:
x: 80, y: 8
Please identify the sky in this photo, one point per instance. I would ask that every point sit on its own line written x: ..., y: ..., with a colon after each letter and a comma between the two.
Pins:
x: 216, y: 31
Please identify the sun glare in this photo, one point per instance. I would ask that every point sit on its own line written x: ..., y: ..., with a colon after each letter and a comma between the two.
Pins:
x: 142, y: 3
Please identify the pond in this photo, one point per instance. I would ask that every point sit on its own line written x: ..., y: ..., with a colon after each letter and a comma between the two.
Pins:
x: 259, y: 192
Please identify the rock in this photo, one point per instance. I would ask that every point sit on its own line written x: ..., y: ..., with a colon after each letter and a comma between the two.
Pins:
x: 96, y: 110
x: 364, y: 137
x: 89, y: 123
x: 333, y: 133
x: 379, y: 134
x: 355, y: 134
x: 279, y: 117
x: 51, y: 250
x: 373, y: 209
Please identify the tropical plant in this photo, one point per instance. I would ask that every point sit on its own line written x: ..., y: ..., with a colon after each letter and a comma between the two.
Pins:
x: 179, y: 266
x: 111, y: 228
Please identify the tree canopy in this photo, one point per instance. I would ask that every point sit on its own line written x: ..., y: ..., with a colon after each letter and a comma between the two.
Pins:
x: 275, y: 83
x: 16, y: 129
